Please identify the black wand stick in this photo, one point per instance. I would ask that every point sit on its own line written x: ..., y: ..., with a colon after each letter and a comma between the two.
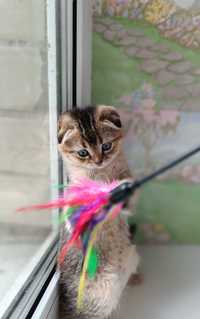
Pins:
x: 123, y: 191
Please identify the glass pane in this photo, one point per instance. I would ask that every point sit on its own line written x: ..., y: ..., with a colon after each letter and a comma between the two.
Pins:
x: 146, y: 62
x: 24, y: 135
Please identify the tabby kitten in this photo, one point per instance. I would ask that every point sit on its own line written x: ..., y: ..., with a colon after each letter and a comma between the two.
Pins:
x: 90, y: 141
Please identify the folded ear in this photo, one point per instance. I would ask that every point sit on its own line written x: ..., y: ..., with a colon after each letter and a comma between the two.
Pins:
x: 109, y: 116
x: 65, y: 125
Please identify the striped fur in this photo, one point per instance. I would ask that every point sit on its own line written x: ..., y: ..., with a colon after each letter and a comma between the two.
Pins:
x: 89, y: 128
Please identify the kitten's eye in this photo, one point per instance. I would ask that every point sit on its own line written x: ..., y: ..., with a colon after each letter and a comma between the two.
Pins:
x: 106, y: 147
x: 83, y: 153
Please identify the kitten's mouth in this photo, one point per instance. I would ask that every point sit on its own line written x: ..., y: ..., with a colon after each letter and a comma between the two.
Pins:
x: 101, y: 165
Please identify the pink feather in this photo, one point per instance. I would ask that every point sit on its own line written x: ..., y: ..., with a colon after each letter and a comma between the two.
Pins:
x: 92, y: 196
x: 82, y: 193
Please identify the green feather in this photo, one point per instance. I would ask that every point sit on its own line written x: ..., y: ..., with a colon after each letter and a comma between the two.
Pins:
x: 93, y: 264
x: 65, y: 215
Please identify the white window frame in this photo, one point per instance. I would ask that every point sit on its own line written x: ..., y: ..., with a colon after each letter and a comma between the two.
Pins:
x: 84, y: 52
x: 48, y: 307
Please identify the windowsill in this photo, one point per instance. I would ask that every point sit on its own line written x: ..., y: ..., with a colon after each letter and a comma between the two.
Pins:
x: 171, y: 287
x: 18, y: 244
x: 30, y: 279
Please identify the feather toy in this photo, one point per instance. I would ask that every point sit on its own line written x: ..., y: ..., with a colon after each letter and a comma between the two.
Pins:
x: 86, y: 206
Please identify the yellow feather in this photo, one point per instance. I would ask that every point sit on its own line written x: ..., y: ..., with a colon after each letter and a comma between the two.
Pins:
x: 85, y: 266
x: 87, y: 258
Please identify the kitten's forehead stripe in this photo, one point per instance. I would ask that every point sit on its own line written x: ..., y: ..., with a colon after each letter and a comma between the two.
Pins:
x: 86, y: 122
x: 95, y: 129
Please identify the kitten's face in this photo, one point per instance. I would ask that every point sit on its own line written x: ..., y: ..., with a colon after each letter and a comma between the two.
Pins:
x: 91, y: 137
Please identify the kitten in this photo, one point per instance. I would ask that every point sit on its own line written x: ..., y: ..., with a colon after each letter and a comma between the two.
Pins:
x: 90, y: 141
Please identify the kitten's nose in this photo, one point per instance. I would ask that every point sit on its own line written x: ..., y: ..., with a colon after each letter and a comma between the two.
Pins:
x: 99, y: 162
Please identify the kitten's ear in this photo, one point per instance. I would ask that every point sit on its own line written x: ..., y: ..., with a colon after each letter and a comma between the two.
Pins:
x: 65, y: 124
x: 109, y: 116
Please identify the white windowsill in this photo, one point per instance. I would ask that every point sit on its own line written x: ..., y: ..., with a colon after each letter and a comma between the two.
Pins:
x: 171, y: 288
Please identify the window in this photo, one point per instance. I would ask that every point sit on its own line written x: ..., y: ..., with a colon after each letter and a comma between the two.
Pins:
x: 29, y: 161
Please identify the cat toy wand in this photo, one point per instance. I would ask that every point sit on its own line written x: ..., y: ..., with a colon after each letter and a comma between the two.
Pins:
x: 123, y: 191
x: 89, y: 204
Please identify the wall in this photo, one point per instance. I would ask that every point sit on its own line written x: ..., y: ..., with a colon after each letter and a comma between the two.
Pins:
x: 146, y: 62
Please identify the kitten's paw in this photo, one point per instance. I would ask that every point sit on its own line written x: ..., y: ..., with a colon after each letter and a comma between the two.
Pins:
x: 136, y: 280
